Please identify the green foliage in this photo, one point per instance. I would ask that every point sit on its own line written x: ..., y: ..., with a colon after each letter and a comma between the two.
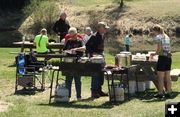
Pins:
x: 43, y: 13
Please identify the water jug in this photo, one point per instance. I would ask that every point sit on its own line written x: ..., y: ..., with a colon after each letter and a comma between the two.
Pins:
x: 61, y: 94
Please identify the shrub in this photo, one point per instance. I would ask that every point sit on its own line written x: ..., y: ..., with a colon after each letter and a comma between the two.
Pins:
x: 43, y: 14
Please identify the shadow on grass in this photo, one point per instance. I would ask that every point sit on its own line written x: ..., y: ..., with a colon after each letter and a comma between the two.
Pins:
x: 148, y: 96
x: 13, y: 65
x: 84, y: 104
x: 26, y: 92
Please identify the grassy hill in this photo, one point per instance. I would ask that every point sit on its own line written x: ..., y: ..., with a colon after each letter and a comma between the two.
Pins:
x: 138, y: 16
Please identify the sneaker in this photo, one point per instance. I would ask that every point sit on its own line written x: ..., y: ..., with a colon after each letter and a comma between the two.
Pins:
x: 79, y: 99
x: 168, y: 95
x: 159, y: 95
x: 95, y: 95
x: 101, y: 93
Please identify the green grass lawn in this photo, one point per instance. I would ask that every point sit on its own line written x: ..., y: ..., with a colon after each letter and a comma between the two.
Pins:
x: 37, y: 105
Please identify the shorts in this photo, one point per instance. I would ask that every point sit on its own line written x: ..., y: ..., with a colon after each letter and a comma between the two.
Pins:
x: 164, y: 63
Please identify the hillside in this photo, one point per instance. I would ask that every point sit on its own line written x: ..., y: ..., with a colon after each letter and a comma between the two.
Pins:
x: 137, y: 15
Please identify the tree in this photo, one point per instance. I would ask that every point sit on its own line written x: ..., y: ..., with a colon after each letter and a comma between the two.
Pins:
x: 121, y: 3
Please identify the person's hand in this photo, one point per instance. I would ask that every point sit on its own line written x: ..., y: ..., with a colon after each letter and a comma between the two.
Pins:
x: 153, y: 54
x: 74, y: 50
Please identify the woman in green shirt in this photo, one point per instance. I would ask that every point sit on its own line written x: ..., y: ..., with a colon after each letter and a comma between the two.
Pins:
x: 41, y: 42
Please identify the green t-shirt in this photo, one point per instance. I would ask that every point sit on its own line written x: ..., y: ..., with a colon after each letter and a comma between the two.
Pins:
x: 41, y: 42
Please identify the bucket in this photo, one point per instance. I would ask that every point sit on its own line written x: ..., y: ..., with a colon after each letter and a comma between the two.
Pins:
x: 141, y: 87
x: 61, y: 94
x: 132, y: 87
x: 148, y: 85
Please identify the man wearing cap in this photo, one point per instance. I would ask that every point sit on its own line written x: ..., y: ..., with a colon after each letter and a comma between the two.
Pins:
x: 61, y: 26
x: 74, y: 44
x: 95, y: 46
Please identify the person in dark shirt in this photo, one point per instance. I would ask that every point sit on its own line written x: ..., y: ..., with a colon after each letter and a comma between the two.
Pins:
x: 95, y: 46
x: 61, y: 26
x: 74, y: 44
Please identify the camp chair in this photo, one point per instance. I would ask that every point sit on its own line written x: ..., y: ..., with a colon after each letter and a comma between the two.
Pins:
x: 28, y: 71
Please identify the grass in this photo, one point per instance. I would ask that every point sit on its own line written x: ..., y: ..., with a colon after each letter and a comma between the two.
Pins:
x: 37, y: 105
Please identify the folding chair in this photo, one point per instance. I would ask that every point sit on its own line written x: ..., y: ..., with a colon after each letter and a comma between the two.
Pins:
x: 28, y: 71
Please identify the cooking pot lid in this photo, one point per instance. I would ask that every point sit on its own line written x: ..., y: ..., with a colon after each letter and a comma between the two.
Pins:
x: 125, y: 52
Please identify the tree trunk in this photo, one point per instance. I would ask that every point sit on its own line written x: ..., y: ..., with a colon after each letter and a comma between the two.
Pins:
x: 121, y: 3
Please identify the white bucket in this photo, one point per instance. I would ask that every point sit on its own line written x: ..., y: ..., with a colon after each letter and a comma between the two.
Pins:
x: 61, y: 94
x: 141, y: 87
x: 132, y: 87
x: 148, y: 84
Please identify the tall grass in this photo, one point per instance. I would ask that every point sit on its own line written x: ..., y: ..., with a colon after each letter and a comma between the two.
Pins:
x: 43, y: 13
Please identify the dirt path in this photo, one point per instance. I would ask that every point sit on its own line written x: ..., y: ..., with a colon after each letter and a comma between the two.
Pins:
x: 4, y: 106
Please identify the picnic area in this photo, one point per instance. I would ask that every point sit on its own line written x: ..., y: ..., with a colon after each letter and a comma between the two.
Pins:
x: 89, y: 58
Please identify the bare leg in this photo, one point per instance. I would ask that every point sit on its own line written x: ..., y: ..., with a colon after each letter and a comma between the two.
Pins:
x: 160, y: 81
x: 168, y: 81
x: 165, y: 84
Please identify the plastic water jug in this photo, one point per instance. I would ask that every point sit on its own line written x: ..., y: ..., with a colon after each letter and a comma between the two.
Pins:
x: 61, y: 94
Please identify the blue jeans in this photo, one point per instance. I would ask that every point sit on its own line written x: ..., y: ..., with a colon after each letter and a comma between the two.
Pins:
x: 77, y: 80
x: 96, y: 83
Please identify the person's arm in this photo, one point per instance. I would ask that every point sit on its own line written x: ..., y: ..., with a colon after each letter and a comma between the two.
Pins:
x: 47, y: 42
x: 55, y: 27
x: 82, y: 48
x: 35, y: 41
x: 66, y: 45
x: 90, y: 43
x: 159, y: 45
x: 68, y: 26
x: 158, y: 48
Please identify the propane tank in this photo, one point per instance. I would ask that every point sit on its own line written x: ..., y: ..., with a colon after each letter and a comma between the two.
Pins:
x: 61, y: 94
x: 119, y: 93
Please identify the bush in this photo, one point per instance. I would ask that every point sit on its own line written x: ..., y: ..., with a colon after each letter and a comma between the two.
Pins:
x: 43, y: 14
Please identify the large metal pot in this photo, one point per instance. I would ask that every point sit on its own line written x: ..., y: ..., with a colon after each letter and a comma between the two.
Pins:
x: 69, y: 59
x: 97, y: 59
x: 123, y: 59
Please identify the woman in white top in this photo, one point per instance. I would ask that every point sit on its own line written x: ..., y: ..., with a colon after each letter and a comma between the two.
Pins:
x: 88, y: 34
x: 164, y: 62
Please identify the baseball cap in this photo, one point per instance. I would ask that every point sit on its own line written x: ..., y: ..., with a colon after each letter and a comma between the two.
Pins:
x: 72, y: 30
x: 103, y: 24
x: 88, y: 29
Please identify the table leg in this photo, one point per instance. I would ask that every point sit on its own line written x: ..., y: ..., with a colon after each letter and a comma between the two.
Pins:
x: 51, y: 86
x: 113, y: 87
x: 108, y: 86
x: 137, y: 87
x: 128, y: 83
x: 57, y: 79
x: 43, y: 81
